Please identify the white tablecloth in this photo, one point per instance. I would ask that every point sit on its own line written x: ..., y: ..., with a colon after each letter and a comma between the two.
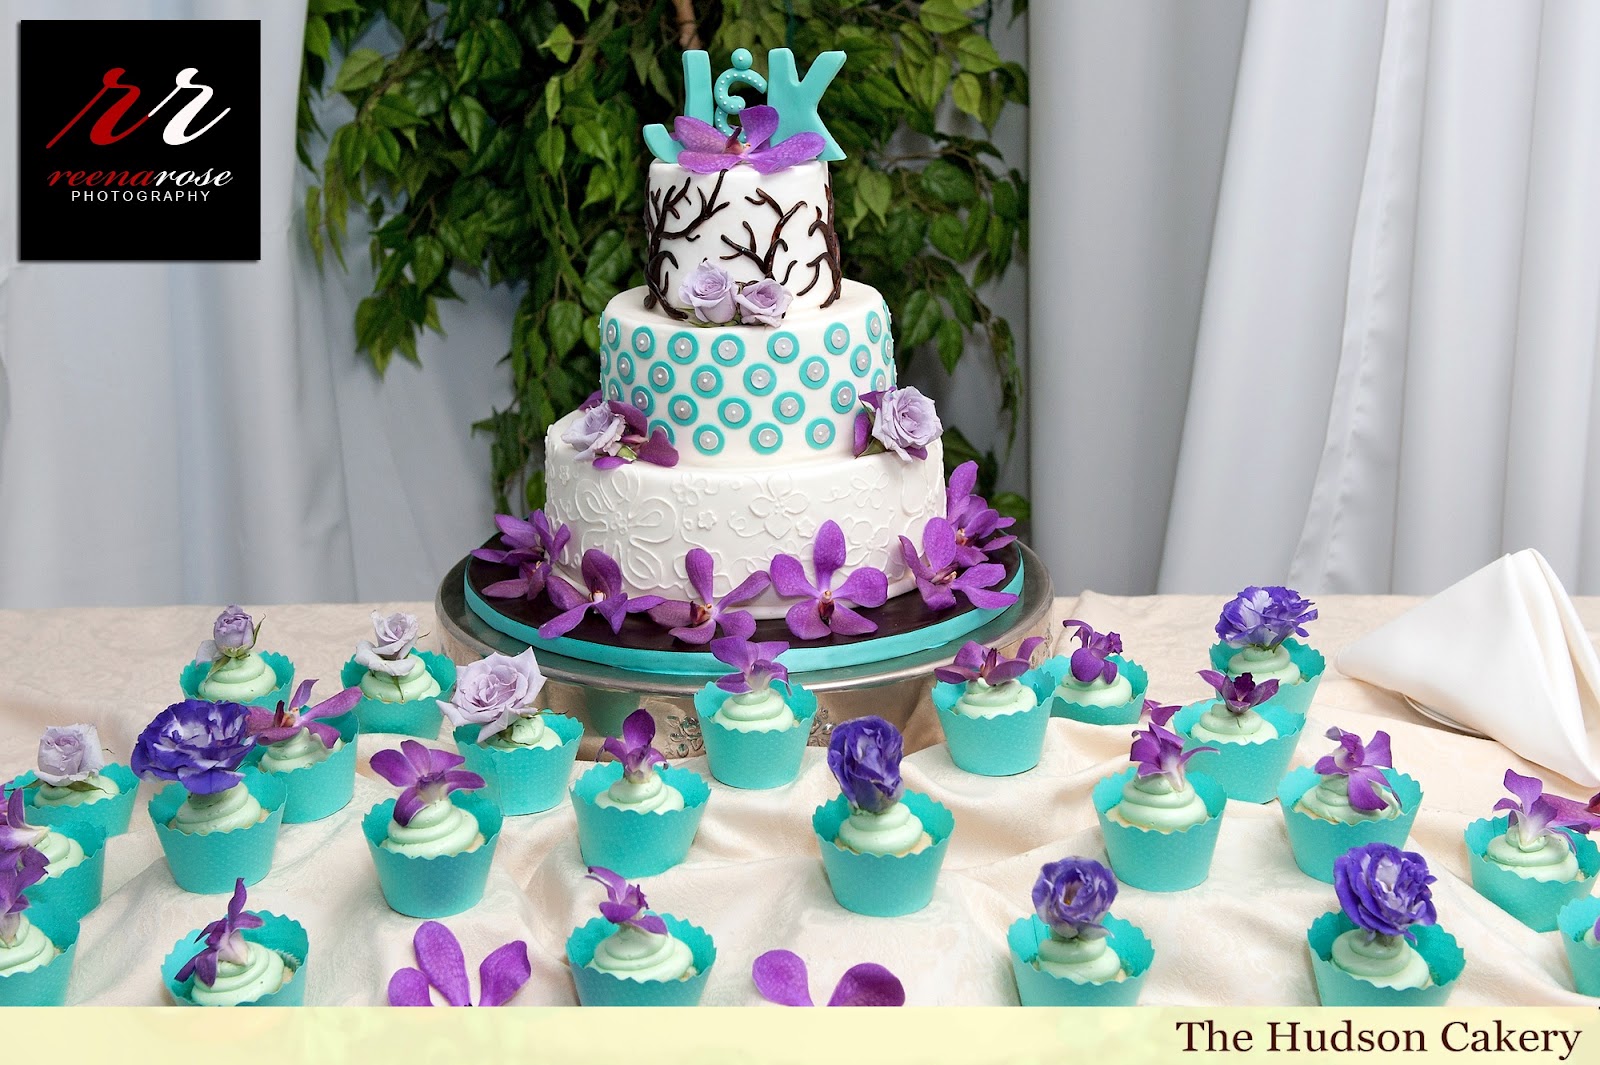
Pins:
x: 754, y: 878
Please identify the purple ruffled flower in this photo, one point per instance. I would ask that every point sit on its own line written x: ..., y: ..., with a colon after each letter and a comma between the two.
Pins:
x: 1091, y: 661
x: 696, y: 620
x: 1158, y: 751
x: 756, y: 665
x: 940, y: 575
x: 1264, y: 617
x: 707, y: 149
x: 69, y: 754
x: 196, y: 743
x: 980, y: 530
x: 1362, y: 764
x: 1532, y: 813
x: 19, y: 871
x: 710, y: 292
x: 15, y: 833
x: 426, y: 775
x: 825, y: 608
x: 633, y: 748
x: 976, y: 662
x: 442, y: 965
x: 224, y: 940
x: 864, y: 754
x: 615, y: 433
x: 233, y: 635
x: 275, y: 726
x: 603, y: 578
x: 902, y: 420
x: 763, y: 302
x: 532, y: 547
x: 781, y: 977
x: 1240, y: 694
x: 625, y: 903
x: 1073, y: 896
x: 1384, y: 889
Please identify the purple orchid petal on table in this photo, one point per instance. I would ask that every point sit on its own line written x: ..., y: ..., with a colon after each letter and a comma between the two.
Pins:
x: 196, y: 743
x: 1264, y: 617
x: 864, y: 756
x: 15, y: 832
x: 1384, y: 890
x: 633, y: 748
x: 1072, y: 896
x: 426, y: 775
x: 606, y: 597
x: 275, y: 726
x: 756, y: 665
x: 625, y: 903
x: 696, y: 621
x: 1158, y: 751
x: 442, y: 966
x: 824, y: 609
x: 1239, y: 694
x: 1533, y: 813
x: 224, y: 940
x: 19, y: 871
x: 1091, y: 660
x: 706, y: 149
x: 781, y: 977
x: 1362, y: 764
x: 939, y: 574
x: 976, y: 662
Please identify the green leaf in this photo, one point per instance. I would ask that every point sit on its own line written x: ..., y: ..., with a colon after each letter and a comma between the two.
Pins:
x: 948, y: 183
x: 471, y: 48
x: 951, y: 343
x: 353, y: 150
x: 968, y: 95
x: 976, y: 54
x: 468, y: 118
x: 559, y: 43
x: 592, y: 140
x: 427, y: 261
x: 874, y: 190
x: 609, y: 258
x: 600, y: 187
x: 920, y: 320
x: 552, y: 99
x: 395, y: 111
x: 1006, y: 202
x: 314, y: 221
x: 943, y: 16
x: 332, y: 7
x: 947, y: 234
x: 318, y: 37
x: 565, y: 322
x: 552, y: 149
x: 427, y: 90
x: 361, y: 68
x: 1012, y: 505
x: 504, y: 50
x: 385, y: 150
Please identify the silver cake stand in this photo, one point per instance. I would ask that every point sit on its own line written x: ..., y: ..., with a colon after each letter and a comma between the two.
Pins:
x: 601, y: 696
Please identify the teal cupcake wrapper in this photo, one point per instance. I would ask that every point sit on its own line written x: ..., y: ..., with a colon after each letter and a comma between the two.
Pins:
x: 1038, y: 988
x: 46, y: 985
x: 434, y: 887
x: 209, y: 864
x: 633, y: 844
x: 1335, y: 987
x: 77, y: 891
x: 1295, y: 698
x: 111, y: 816
x: 1122, y: 714
x: 596, y: 988
x: 1536, y: 903
x: 282, y: 669
x: 527, y: 780
x: 1000, y: 746
x: 419, y: 717
x: 754, y: 760
x: 1159, y: 861
x: 1574, y: 922
x: 1316, y: 843
x: 277, y: 933
x: 1249, y: 772
x: 321, y: 790
x: 879, y: 885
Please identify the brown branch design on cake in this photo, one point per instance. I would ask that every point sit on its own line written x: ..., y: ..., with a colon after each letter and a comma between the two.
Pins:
x: 764, y: 260
x: 659, y: 207
x: 829, y: 256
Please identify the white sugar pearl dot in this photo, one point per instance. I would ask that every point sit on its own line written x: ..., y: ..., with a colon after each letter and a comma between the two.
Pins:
x: 681, y: 408
x: 790, y: 406
x: 682, y: 346
x: 641, y: 401
x: 815, y: 372
x: 768, y: 438
x: 760, y: 378
x: 659, y: 375
x: 641, y: 342
x: 819, y: 434
x: 726, y: 347
x: 706, y: 380
x: 785, y: 346
x: 707, y: 440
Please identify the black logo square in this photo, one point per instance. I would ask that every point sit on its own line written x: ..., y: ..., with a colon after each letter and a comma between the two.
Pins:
x: 140, y: 140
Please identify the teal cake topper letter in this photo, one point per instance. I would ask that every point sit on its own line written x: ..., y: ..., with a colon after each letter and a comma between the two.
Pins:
x: 697, y: 104
x: 796, y: 99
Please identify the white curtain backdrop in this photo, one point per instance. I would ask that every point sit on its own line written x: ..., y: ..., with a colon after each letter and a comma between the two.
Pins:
x: 1321, y: 282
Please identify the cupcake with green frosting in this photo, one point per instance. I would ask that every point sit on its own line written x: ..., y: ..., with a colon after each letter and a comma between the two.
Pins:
x: 248, y: 959
x: 1255, y: 635
x: 524, y: 752
x: 36, y: 950
x: 1535, y: 859
x: 1072, y: 952
x: 74, y: 854
x: 1349, y: 798
x: 228, y: 669
x: 994, y: 709
x: 312, y: 749
x: 754, y: 722
x: 636, y: 814
x: 1248, y: 742
x: 400, y: 685
x: 1096, y: 684
x: 629, y: 956
x: 72, y: 782
x: 1579, y: 925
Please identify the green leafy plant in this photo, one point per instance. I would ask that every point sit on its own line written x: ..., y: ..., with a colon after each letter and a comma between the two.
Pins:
x: 502, y: 139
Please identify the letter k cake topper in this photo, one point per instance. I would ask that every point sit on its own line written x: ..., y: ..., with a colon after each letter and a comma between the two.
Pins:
x: 793, y: 97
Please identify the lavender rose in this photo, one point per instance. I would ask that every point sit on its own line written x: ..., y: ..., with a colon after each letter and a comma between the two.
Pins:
x: 710, y: 293
x: 1384, y: 889
x: 69, y: 754
x: 598, y: 432
x: 906, y: 422
x: 864, y: 755
x: 493, y: 692
x: 233, y: 635
x: 1073, y: 896
x: 394, y: 637
x: 766, y: 302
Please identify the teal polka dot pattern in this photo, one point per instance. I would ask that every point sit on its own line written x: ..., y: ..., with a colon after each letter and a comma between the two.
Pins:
x: 760, y: 380
x: 880, y: 381
x: 728, y: 350
x: 642, y: 399
x: 844, y: 397
x: 644, y: 342
x: 766, y: 438
x: 734, y: 413
x: 683, y: 410
x: 837, y: 338
x: 783, y: 347
x: 683, y: 347
x: 611, y: 333
x: 874, y: 325
x: 861, y: 361
x: 605, y: 362
x: 819, y: 434
x: 789, y: 407
x: 625, y: 368
x: 672, y: 437
x: 708, y: 440
x: 614, y: 391
x: 662, y: 377
x: 814, y: 372
x: 706, y: 381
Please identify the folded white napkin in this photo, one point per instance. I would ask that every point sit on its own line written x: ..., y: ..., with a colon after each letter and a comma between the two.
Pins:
x: 1502, y: 652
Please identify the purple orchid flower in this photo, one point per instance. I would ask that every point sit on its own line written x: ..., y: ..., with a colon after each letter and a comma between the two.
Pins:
x: 781, y: 977
x: 1091, y: 661
x: 940, y: 575
x: 19, y: 871
x: 756, y: 665
x: 1384, y: 890
x: 824, y: 610
x: 1264, y: 617
x: 864, y: 755
x: 696, y: 620
x: 1073, y: 896
x: 15, y: 832
x: 625, y: 903
x: 979, y: 528
x: 1158, y: 751
x: 603, y: 577
x: 224, y: 940
x: 707, y: 149
x: 633, y: 748
x: 1239, y: 694
x: 532, y: 547
x: 976, y: 662
x: 275, y: 726
x: 637, y: 443
x: 1532, y: 813
x: 196, y: 743
x: 1362, y: 764
x: 427, y: 775
x: 442, y: 965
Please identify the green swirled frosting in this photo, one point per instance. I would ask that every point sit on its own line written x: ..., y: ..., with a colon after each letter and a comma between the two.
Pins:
x: 1265, y: 664
x: 1081, y: 960
x: 651, y: 795
x: 634, y: 954
x: 1221, y: 725
x: 62, y: 852
x: 981, y: 699
x: 1546, y: 858
x: 261, y: 973
x: 99, y: 786
x: 27, y: 951
x: 1097, y: 692
x: 756, y: 711
x: 528, y: 731
x: 896, y: 831
x: 237, y: 680
x: 298, y: 751
x: 438, y: 830
x: 223, y: 812
x: 414, y: 685
x: 1386, y: 961
x: 1152, y: 804
x: 1330, y: 800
